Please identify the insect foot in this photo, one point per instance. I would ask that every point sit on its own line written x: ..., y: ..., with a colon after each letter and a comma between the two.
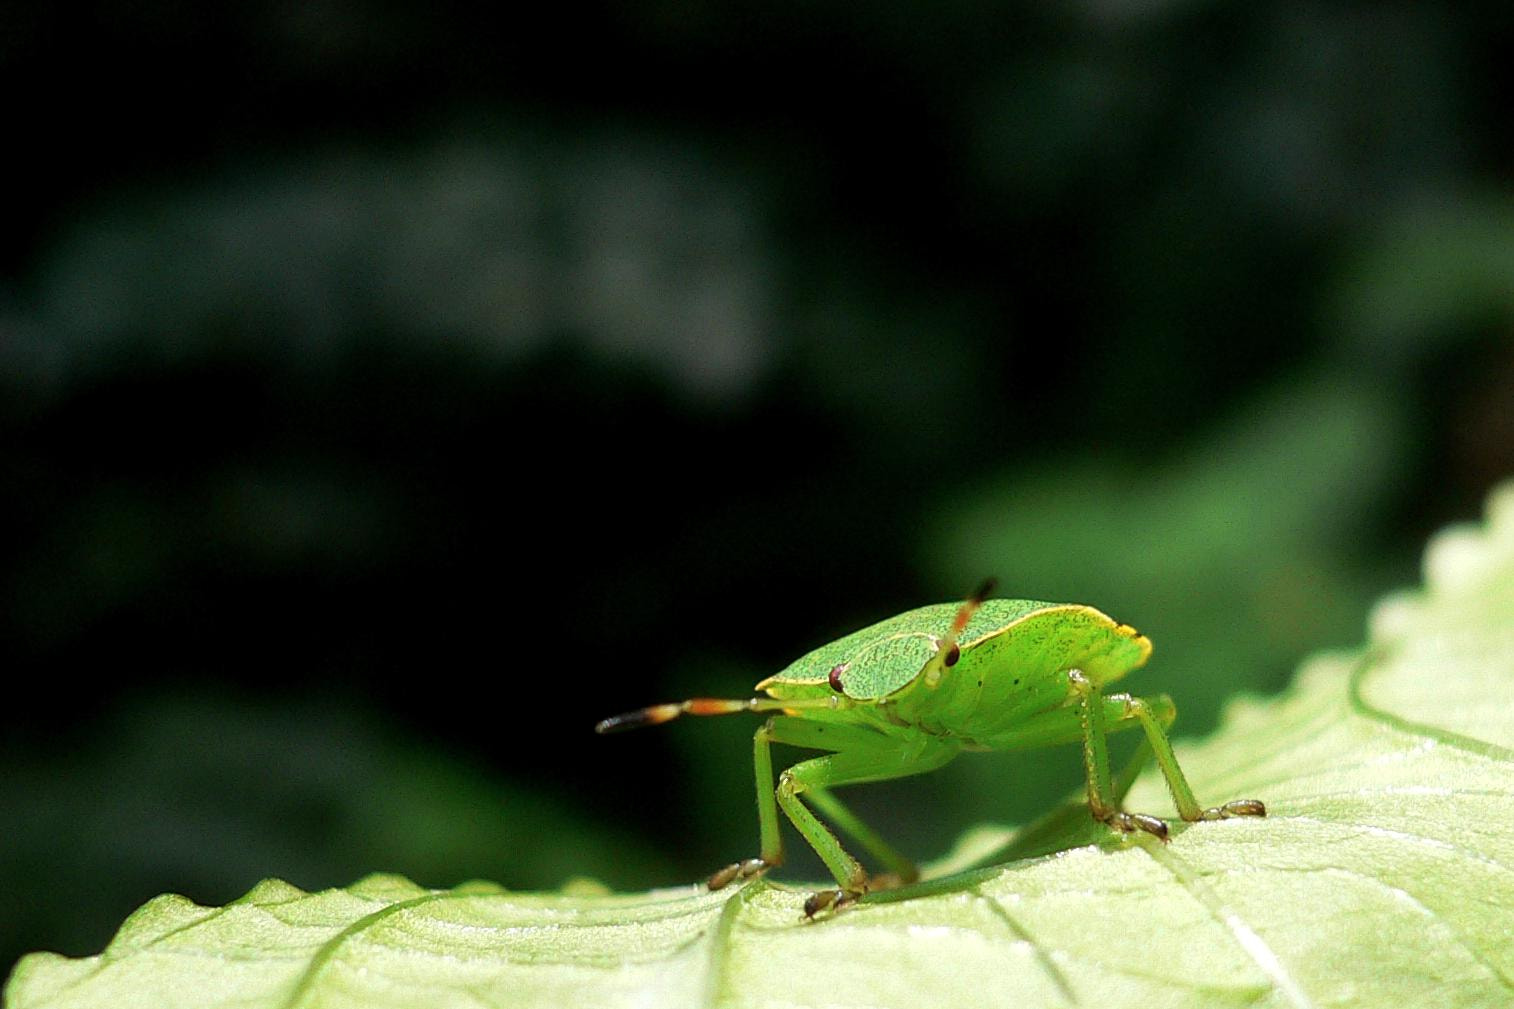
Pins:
x: 1129, y: 823
x: 1239, y: 807
x: 834, y: 901
x: 737, y: 870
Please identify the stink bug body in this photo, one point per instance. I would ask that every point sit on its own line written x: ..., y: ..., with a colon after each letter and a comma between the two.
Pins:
x: 907, y: 695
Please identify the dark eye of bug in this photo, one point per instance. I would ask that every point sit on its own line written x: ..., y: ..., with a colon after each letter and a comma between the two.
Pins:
x: 952, y: 655
x: 835, y: 676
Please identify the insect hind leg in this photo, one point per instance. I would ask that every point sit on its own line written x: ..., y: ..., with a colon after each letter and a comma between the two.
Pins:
x: 1182, y: 795
x: 1153, y: 719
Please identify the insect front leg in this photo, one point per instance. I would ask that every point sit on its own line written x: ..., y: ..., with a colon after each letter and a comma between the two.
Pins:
x: 861, y: 754
x: 902, y: 870
x: 771, y: 841
x: 879, y: 761
x: 817, y: 736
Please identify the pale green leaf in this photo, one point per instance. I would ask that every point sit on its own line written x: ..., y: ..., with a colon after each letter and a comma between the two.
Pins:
x: 1384, y: 876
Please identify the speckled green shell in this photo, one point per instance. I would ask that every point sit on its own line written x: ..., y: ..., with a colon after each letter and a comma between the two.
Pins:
x: 1004, y: 634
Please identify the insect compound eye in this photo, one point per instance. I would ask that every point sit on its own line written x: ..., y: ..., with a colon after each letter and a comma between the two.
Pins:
x: 952, y: 655
x: 835, y: 677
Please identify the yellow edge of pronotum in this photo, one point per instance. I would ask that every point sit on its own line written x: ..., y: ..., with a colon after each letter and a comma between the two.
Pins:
x: 1123, y: 630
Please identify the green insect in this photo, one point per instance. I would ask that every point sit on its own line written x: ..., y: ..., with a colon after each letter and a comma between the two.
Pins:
x: 907, y: 695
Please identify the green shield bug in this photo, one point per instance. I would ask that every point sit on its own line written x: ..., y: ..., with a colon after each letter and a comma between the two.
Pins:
x: 907, y: 695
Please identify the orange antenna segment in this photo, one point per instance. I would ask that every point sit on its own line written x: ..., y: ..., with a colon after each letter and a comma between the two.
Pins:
x: 970, y: 606
x: 947, y: 650
x: 659, y: 713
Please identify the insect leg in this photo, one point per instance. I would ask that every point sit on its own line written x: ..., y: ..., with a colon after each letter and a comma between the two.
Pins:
x: 1101, y: 801
x: 1156, y: 724
x: 771, y: 849
x: 831, y: 736
x: 818, y: 736
x: 877, y: 761
x: 851, y: 825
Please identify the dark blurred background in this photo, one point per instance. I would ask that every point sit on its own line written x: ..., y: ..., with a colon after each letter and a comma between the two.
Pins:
x: 388, y: 392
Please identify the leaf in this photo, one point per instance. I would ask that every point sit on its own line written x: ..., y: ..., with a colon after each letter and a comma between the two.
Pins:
x: 1383, y: 876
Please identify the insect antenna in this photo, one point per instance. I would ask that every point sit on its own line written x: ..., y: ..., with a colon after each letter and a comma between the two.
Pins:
x: 656, y: 714
x: 947, y: 649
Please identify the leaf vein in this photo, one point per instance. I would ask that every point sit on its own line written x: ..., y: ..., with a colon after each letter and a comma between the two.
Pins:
x: 1373, y: 658
x: 1420, y: 906
x: 328, y: 949
x: 1042, y: 954
x: 1245, y: 936
x: 720, y: 940
x: 1405, y: 837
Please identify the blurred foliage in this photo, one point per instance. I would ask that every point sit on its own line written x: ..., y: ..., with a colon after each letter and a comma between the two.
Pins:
x: 388, y: 393
x: 197, y: 791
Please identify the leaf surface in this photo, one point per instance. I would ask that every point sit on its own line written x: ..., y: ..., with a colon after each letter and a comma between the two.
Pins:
x: 1384, y: 875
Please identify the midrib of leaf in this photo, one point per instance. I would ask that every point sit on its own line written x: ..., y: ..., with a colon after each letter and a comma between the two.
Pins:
x: 1058, y: 979
x: 1253, y: 944
x: 720, y: 939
